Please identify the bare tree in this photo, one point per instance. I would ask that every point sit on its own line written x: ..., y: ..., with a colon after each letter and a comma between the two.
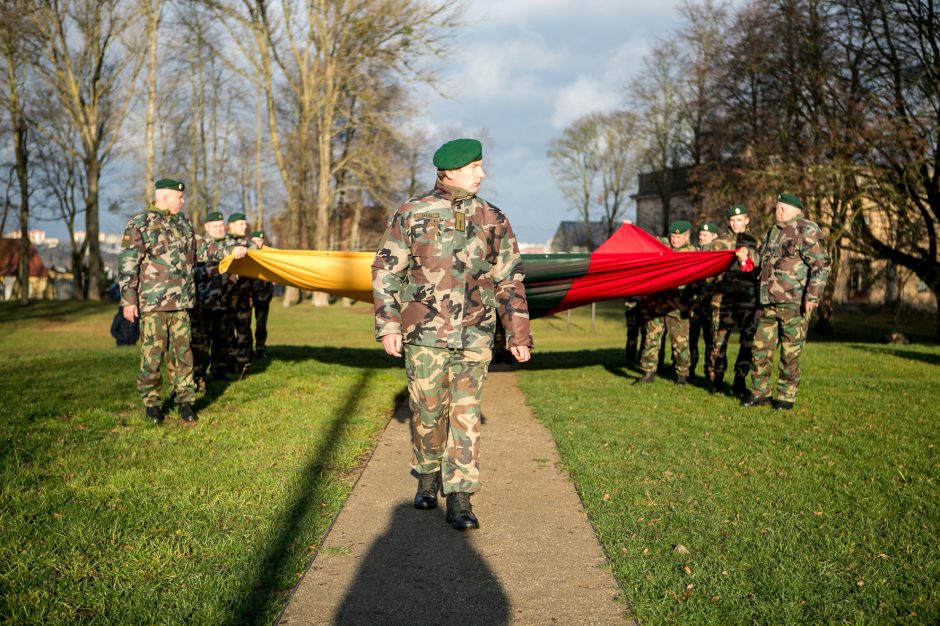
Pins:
x: 90, y: 61
x: 576, y: 164
x: 153, y: 13
x: 618, y: 160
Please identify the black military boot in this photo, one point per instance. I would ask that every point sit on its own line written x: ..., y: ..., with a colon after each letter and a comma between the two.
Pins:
x: 426, y: 497
x: 459, y: 513
x: 753, y: 400
x: 187, y: 414
x: 739, y: 388
x: 682, y: 380
x: 154, y: 414
x: 783, y: 405
x: 648, y: 377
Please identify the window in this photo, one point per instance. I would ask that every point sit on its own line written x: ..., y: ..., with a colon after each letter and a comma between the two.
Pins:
x: 859, y: 279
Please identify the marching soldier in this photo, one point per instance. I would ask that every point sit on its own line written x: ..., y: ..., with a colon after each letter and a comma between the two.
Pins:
x: 158, y: 252
x: 669, y: 312
x: 447, y: 264
x: 262, y: 291
x: 794, y: 267
x: 735, y: 302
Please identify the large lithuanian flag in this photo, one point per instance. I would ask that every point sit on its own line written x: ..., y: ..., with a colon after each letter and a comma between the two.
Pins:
x: 630, y: 263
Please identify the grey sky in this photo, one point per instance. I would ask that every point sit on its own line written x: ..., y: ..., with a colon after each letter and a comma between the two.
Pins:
x: 525, y: 69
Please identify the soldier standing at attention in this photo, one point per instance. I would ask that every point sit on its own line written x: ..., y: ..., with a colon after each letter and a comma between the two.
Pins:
x: 794, y: 267
x: 734, y: 304
x: 700, y: 320
x: 262, y: 291
x: 447, y: 264
x: 669, y: 312
x: 156, y: 262
x: 239, y: 300
x: 209, y: 347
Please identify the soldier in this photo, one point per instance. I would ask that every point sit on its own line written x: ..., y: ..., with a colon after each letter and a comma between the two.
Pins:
x: 700, y: 318
x: 209, y: 342
x: 158, y: 252
x: 794, y: 268
x: 734, y: 303
x: 238, y: 325
x: 262, y: 291
x: 669, y: 312
x: 447, y: 263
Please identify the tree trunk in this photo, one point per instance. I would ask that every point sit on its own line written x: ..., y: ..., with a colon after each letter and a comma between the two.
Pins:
x: 22, y: 175
x: 153, y: 25
x: 93, y: 173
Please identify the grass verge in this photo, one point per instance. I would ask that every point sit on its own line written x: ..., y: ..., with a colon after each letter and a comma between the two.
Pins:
x: 108, y: 519
x: 711, y: 513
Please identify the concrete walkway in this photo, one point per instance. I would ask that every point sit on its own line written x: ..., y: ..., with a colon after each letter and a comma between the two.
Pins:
x: 534, y: 560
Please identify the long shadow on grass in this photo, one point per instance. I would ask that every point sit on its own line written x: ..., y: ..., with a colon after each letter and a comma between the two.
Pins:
x: 68, y: 310
x: 929, y: 359
x: 421, y: 571
x: 266, y: 587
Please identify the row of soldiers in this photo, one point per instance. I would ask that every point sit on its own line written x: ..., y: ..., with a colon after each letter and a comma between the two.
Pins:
x: 775, y: 302
x: 221, y: 320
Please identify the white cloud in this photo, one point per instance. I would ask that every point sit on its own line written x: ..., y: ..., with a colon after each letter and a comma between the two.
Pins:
x: 583, y: 96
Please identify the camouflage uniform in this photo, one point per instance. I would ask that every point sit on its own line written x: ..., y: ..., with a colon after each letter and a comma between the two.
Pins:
x: 448, y: 261
x: 209, y: 343
x: 156, y: 262
x: 668, y: 312
x: 238, y: 312
x: 701, y: 321
x: 733, y: 304
x: 794, y: 267
x: 262, y: 291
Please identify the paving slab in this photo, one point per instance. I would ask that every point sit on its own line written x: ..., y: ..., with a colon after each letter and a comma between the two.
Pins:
x: 535, y: 559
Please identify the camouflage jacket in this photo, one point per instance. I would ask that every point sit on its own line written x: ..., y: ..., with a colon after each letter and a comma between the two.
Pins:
x: 158, y: 254
x: 445, y: 265
x: 737, y: 286
x: 793, y: 263
x: 210, y: 283
x: 261, y: 290
x: 680, y: 298
x: 238, y: 288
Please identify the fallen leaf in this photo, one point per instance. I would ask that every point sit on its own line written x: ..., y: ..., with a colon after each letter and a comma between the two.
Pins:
x: 860, y: 583
x: 607, y: 496
x: 681, y: 549
x: 687, y: 570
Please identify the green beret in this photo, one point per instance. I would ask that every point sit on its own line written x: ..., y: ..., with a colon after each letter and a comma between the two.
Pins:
x: 234, y: 217
x: 256, y: 233
x: 169, y: 183
x: 738, y: 209
x: 708, y: 227
x: 455, y: 154
x: 679, y: 226
x: 215, y: 216
x: 789, y: 198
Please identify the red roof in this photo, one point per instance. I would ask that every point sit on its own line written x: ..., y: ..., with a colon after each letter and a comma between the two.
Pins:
x: 10, y: 259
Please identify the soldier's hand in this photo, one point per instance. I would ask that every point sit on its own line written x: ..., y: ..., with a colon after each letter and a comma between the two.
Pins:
x: 809, y: 307
x: 741, y: 253
x: 239, y: 252
x: 392, y: 344
x: 521, y: 353
x: 130, y: 312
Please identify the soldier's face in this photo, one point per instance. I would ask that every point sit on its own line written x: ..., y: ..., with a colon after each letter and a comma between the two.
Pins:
x: 786, y: 212
x: 238, y: 228
x: 738, y: 223
x: 679, y: 240
x: 216, y: 229
x: 258, y: 241
x: 468, y: 177
x: 172, y: 201
x: 705, y: 237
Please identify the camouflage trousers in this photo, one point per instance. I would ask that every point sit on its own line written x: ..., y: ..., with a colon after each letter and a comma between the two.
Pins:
x: 444, y: 390
x: 786, y: 322
x: 727, y: 317
x: 209, y: 342
x: 165, y: 337
x: 238, y: 329
x: 701, y: 324
x: 261, y: 323
x: 676, y: 325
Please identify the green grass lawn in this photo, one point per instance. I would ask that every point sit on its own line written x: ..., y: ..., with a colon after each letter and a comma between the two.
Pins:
x: 828, y: 514
x: 108, y: 519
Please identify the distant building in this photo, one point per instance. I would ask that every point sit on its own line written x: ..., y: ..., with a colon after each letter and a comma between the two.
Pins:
x: 652, y: 188
x: 9, y: 267
x: 575, y: 237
